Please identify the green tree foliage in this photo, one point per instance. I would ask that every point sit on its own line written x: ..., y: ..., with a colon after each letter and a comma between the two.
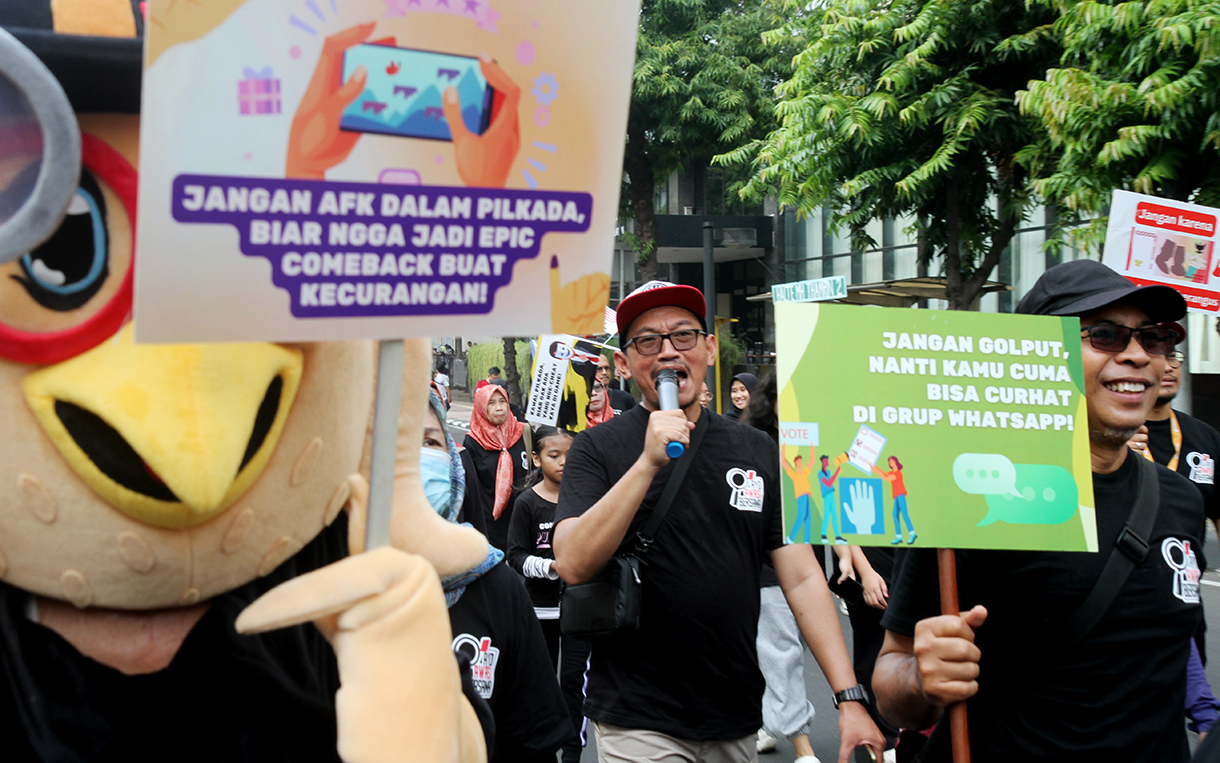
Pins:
x: 702, y: 84
x: 1135, y: 104
x: 906, y: 107
x: 481, y: 357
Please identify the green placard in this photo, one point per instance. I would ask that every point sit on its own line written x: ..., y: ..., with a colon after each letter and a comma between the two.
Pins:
x: 940, y: 429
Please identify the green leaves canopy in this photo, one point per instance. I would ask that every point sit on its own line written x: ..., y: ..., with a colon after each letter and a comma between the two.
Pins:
x: 1135, y: 105
x: 906, y: 107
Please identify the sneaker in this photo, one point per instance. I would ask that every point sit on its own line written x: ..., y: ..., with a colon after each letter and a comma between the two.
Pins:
x: 807, y: 759
x: 823, y: 540
x: 765, y: 743
x: 913, y: 536
x: 897, y: 539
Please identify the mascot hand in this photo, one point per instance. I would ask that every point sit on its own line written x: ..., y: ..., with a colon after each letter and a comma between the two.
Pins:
x: 401, y: 696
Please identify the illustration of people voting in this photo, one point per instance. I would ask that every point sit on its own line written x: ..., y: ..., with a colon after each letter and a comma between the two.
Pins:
x: 803, y: 488
x: 899, y: 490
x: 830, y: 518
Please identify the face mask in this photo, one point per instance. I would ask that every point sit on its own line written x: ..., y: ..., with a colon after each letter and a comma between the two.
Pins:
x: 434, y: 471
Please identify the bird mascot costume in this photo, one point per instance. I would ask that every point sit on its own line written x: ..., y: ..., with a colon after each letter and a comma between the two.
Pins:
x: 181, y: 525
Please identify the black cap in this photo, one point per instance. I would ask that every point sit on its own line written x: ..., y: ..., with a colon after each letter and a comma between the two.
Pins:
x: 98, y: 74
x: 1079, y: 286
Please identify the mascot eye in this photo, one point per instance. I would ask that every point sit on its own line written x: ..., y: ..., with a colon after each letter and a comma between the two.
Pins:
x: 70, y: 268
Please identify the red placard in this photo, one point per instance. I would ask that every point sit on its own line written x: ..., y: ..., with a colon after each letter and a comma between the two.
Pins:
x: 1172, y: 218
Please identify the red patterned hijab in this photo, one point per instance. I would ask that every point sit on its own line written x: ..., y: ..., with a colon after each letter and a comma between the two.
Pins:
x: 499, y: 438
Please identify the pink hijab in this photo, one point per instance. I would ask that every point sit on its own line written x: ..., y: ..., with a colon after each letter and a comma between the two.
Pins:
x: 499, y: 438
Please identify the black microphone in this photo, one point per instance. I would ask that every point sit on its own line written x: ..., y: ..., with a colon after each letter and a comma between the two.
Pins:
x: 667, y: 391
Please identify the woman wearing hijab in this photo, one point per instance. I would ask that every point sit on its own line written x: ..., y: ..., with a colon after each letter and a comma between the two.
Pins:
x: 493, y: 623
x: 498, y: 454
x: 742, y: 387
x: 599, y: 410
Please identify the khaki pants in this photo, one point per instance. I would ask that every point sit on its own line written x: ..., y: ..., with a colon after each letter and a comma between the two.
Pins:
x: 616, y: 744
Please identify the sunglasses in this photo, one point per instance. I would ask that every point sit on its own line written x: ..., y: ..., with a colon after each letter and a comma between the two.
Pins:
x: 650, y: 344
x: 1110, y: 337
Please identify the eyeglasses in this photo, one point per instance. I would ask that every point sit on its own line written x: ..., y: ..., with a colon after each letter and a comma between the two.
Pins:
x: 1175, y: 358
x: 650, y: 344
x: 1110, y: 337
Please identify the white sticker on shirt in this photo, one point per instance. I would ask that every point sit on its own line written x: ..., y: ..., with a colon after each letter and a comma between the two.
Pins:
x: 483, y: 658
x: 1181, y: 559
x: 747, y: 489
x: 1202, y: 468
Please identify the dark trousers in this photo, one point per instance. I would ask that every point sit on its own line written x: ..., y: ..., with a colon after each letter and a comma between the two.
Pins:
x: 573, y: 673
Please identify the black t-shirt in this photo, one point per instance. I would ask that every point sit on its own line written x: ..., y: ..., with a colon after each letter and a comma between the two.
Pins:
x: 691, y: 670
x: 1118, y: 693
x: 529, y: 534
x: 494, y: 626
x: 620, y: 401
x: 224, y: 697
x: 485, y: 463
x: 1197, y: 461
x: 473, y: 509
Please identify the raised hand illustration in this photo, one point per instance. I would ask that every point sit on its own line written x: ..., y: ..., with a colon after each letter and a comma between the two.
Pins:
x: 578, y: 307
x: 862, y: 509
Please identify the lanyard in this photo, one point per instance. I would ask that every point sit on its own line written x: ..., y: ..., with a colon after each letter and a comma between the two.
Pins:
x: 1175, y: 433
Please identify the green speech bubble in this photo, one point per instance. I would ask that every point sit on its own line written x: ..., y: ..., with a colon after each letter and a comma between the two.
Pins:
x: 1047, y: 496
x: 985, y: 474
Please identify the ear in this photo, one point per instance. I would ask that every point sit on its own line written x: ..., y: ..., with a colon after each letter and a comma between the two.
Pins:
x: 712, y: 349
x: 620, y: 364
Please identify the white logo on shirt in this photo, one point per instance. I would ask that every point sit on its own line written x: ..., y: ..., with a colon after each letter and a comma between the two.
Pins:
x: 1185, y: 568
x: 1202, y: 468
x: 747, y: 489
x: 483, y: 658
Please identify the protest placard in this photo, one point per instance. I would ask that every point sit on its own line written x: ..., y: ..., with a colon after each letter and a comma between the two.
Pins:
x: 380, y: 168
x: 934, y: 429
x: 564, y: 370
x: 1163, y: 241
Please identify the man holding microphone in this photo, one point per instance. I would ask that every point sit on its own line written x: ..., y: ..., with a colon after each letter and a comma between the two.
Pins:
x: 686, y: 683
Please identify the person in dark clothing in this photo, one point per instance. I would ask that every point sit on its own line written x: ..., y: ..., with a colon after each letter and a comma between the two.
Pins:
x: 1117, y: 691
x: 740, y: 389
x: 700, y: 580
x: 489, y: 611
x: 497, y: 450
x: 530, y: 553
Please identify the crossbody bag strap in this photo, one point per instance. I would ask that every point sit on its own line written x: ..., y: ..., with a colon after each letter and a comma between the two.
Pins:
x: 648, y: 533
x: 1129, y: 550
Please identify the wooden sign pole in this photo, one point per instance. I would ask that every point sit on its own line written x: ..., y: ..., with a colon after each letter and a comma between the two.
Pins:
x: 960, y: 736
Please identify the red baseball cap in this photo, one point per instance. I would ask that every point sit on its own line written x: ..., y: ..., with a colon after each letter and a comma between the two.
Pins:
x: 659, y: 294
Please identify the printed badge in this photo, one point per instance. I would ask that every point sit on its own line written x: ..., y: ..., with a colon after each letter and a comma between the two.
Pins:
x: 747, y: 489
x: 1181, y: 560
x: 483, y: 658
x: 1202, y: 468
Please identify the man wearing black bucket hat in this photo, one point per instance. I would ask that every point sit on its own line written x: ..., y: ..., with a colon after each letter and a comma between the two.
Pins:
x: 1050, y: 666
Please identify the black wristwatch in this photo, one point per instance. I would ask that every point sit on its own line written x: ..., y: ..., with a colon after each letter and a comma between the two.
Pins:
x: 854, y: 694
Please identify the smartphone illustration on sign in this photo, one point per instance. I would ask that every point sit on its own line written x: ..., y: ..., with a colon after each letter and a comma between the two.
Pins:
x: 404, y: 91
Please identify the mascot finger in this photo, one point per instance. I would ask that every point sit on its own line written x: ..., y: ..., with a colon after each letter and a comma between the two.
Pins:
x: 451, y: 548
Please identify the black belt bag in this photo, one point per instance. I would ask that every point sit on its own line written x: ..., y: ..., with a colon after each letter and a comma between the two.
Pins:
x: 610, y: 601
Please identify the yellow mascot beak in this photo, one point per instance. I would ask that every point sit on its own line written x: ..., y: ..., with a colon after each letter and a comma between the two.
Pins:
x: 170, y: 435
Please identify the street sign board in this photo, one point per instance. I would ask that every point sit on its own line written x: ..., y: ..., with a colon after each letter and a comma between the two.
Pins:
x: 816, y: 290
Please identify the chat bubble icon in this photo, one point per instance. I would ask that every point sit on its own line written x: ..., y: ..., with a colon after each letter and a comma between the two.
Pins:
x: 1047, y: 496
x: 985, y: 474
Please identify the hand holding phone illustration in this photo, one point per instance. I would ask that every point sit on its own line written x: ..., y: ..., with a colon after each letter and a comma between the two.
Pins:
x: 379, y: 88
x: 485, y: 160
x: 315, y: 142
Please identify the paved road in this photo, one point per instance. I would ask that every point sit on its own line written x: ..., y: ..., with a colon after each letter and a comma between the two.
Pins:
x: 824, y: 733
